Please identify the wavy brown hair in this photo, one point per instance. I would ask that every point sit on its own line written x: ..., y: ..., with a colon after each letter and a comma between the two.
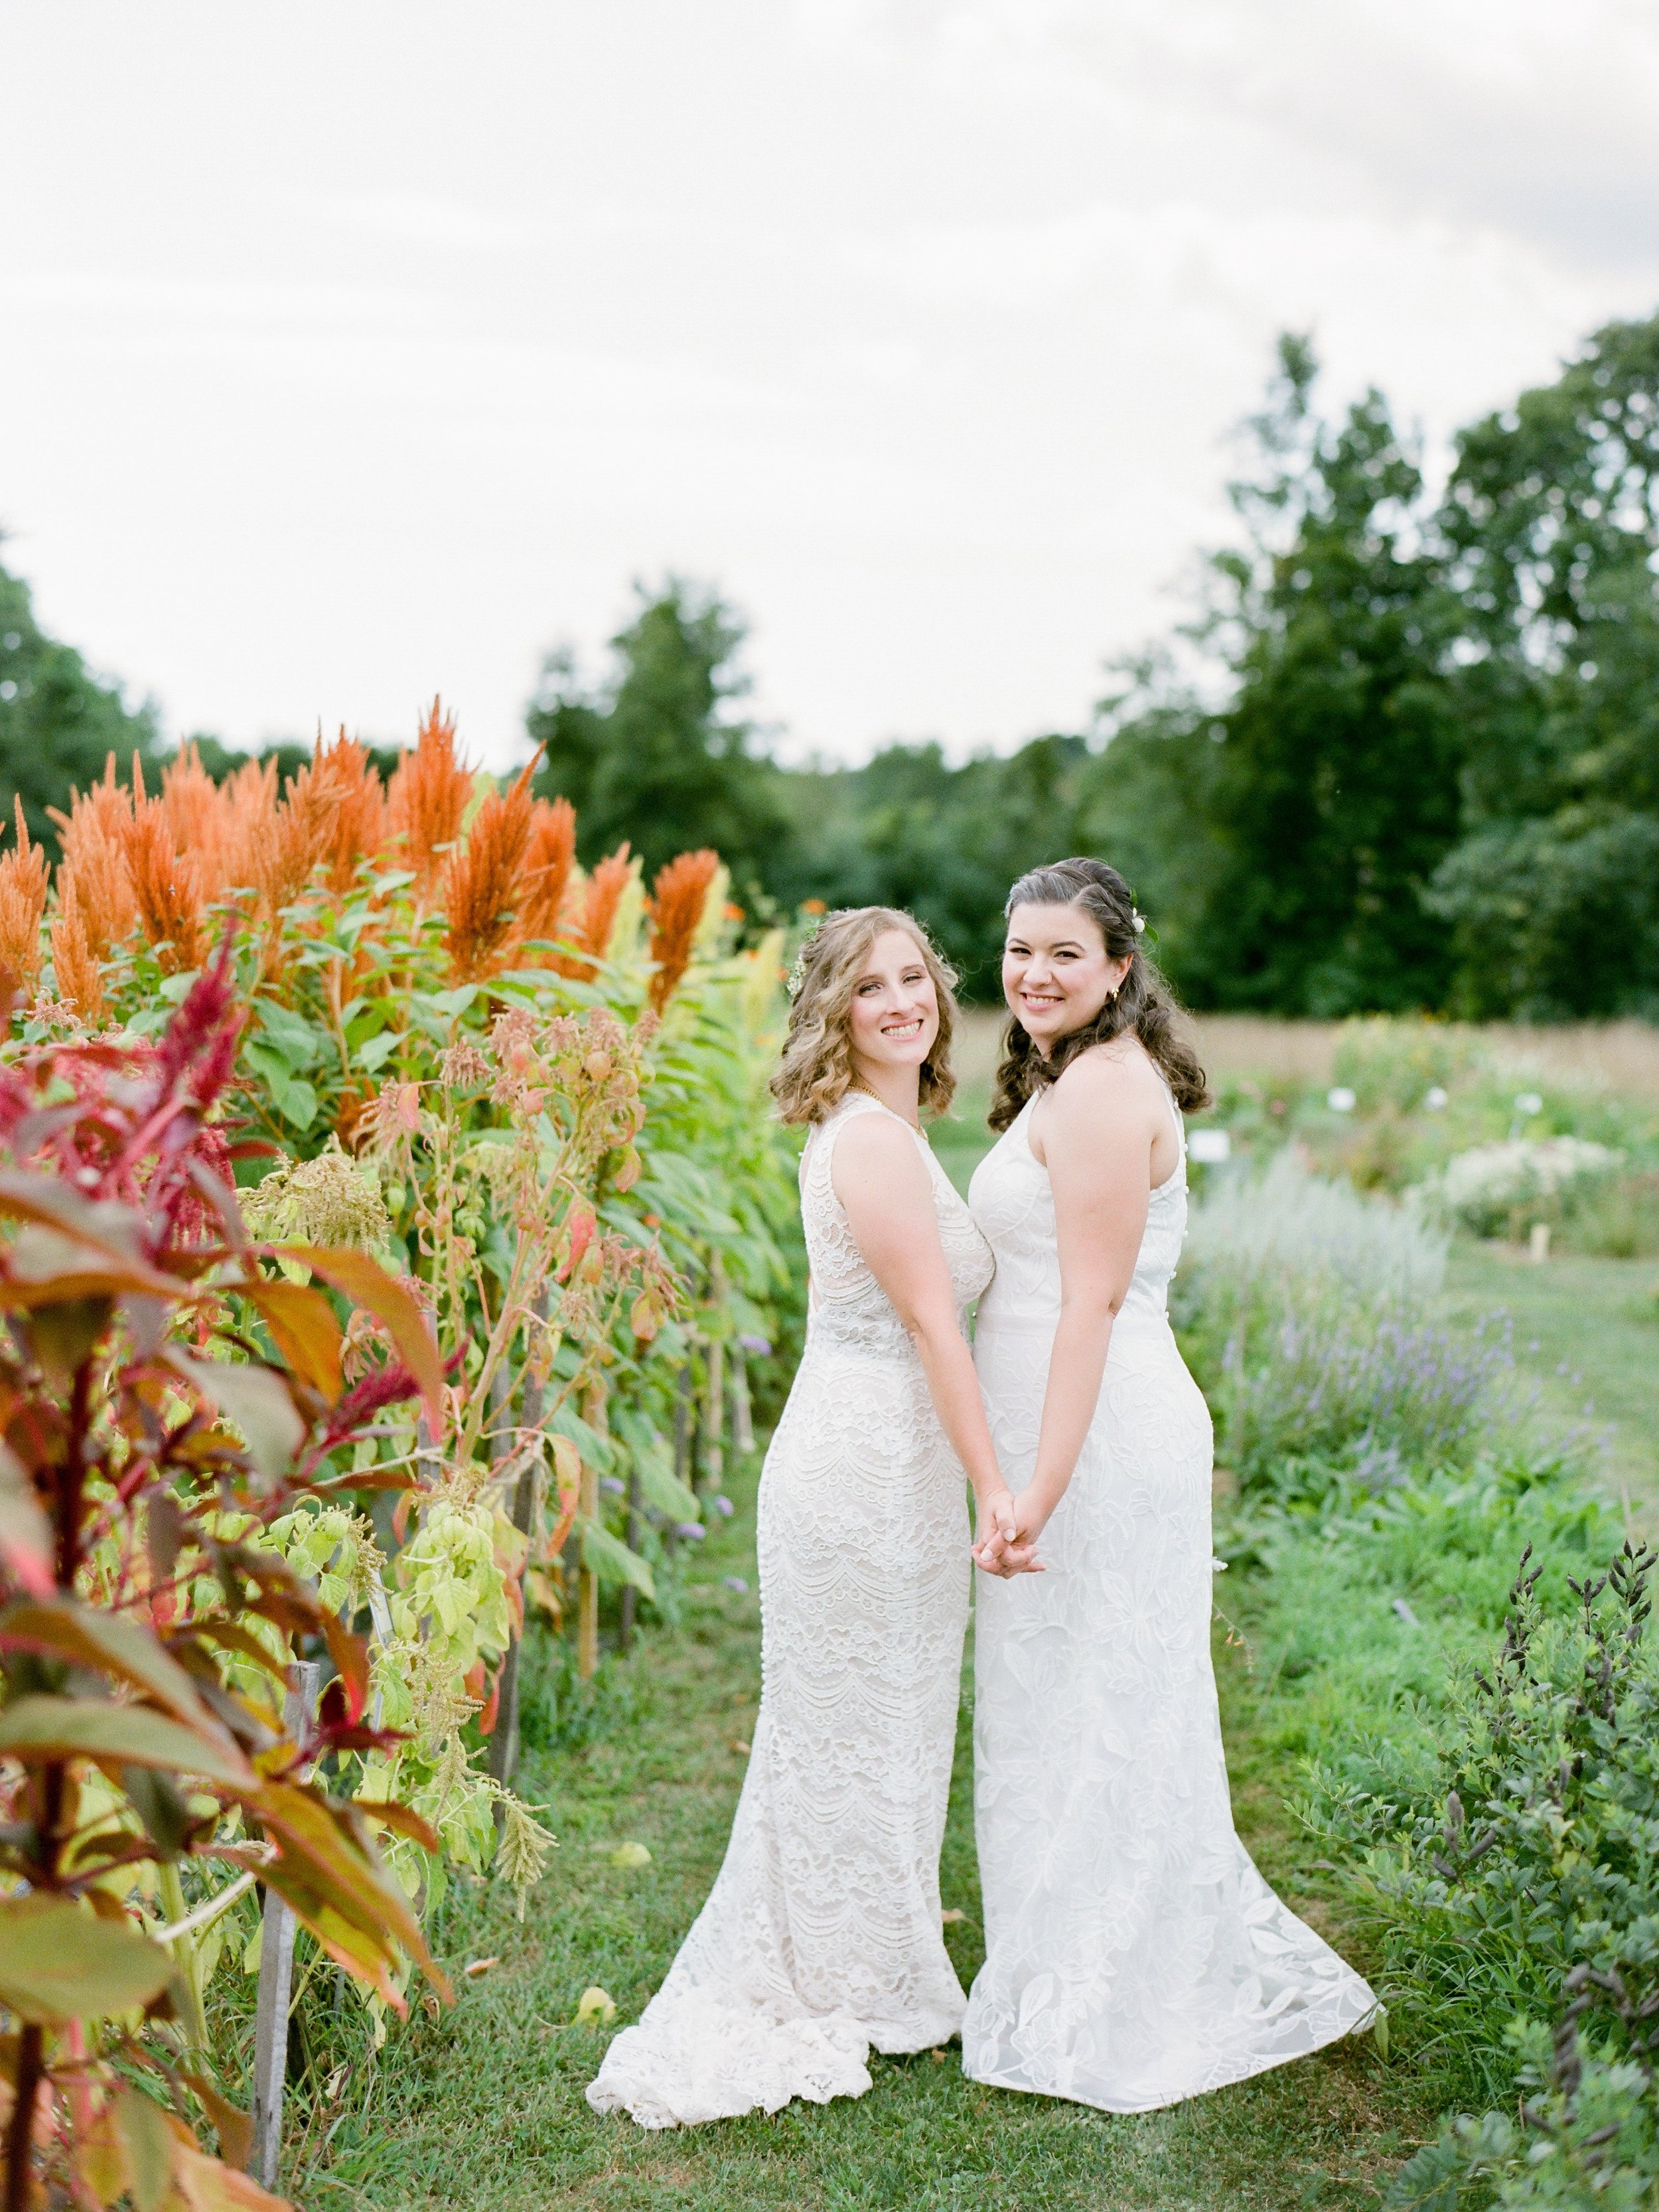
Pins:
x: 1143, y: 1002
x: 816, y: 1072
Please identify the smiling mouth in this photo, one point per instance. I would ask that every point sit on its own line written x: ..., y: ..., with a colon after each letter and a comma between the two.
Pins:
x: 900, y: 1030
x: 1040, y: 998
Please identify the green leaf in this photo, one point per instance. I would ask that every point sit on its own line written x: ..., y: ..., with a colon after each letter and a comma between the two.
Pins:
x: 62, y: 1629
x: 652, y: 1460
x: 147, y: 2142
x: 59, y: 1962
x: 257, y: 1400
x: 299, y: 1042
x: 610, y: 1559
x: 374, y: 1050
x: 597, y: 1451
x: 292, y: 1098
x: 36, y: 1729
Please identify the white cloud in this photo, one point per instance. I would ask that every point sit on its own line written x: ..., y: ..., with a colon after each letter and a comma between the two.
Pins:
x: 351, y: 354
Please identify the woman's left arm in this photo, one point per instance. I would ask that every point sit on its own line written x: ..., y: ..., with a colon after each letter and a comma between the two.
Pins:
x: 1096, y: 1142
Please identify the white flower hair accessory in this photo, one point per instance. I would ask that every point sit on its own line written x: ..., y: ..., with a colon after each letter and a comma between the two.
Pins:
x: 1139, y: 922
x: 797, y: 977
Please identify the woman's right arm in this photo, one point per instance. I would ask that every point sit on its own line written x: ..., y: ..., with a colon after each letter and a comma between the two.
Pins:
x: 883, y: 1186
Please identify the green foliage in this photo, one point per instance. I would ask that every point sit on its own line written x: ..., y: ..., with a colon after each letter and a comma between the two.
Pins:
x: 58, y: 722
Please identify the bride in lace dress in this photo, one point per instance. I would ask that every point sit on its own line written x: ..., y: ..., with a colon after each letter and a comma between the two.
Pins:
x: 1134, y: 1955
x: 821, y: 1935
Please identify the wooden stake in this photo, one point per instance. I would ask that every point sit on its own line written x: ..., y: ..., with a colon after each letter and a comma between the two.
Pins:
x: 587, y: 1614
x: 277, y: 1972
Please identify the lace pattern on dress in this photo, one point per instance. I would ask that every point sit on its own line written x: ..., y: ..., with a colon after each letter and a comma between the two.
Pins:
x: 821, y: 1935
x: 1134, y: 1955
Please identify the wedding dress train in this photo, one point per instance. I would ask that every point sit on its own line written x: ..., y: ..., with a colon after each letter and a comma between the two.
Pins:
x: 1134, y: 1955
x: 821, y: 1935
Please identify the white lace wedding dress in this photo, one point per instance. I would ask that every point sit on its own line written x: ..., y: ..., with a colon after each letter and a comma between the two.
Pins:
x: 822, y: 1934
x: 1134, y: 1955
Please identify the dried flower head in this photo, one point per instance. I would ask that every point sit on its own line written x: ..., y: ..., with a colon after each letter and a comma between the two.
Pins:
x: 524, y: 1848
x: 331, y: 1200
x: 464, y: 1067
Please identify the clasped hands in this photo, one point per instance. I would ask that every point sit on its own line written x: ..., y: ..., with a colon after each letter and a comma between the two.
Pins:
x: 1008, y: 1530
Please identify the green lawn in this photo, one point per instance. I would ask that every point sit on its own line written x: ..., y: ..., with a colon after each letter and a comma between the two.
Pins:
x: 481, y: 2106
x: 1586, y: 1334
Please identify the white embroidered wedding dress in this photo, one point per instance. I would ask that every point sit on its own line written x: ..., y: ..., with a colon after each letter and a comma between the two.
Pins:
x: 1134, y: 1955
x: 822, y: 1934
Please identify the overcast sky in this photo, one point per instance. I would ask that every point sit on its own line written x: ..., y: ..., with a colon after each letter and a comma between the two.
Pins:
x: 353, y: 351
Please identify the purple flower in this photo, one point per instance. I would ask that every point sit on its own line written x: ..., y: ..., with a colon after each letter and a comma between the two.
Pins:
x: 693, y: 1531
x: 757, y: 1344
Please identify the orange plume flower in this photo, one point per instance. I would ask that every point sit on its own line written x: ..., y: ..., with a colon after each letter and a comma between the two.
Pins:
x: 80, y: 983
x: 679, y: 897
x: 23, y: 902
x: 483, y: 884
x: 359, y: 825
x: 427, y: 797
x: 94, y: 833
x: 549, y: 858
x: 598, y: 918
x: 198, y: 816
x: 167, y: 883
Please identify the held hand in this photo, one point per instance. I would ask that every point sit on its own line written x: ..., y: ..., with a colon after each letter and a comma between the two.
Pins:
x: 1001, y: 1549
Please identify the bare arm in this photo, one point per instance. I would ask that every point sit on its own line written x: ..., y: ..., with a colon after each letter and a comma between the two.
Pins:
x: 1097, y: 1132
x: 882, y: 1184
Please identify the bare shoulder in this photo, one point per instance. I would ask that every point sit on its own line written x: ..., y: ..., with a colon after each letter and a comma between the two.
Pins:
x: 877, y: 1146
x: 1115, y: 1079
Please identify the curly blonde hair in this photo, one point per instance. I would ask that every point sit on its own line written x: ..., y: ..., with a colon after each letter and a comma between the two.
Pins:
x: 816, y: 1070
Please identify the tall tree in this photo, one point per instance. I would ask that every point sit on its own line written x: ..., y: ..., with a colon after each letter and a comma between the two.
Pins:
x: 58, y: 722
x: 1550, y: 527
x: 655, y: 753
x: 1324, y: 795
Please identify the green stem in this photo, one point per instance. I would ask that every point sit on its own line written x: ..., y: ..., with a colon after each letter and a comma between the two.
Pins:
x: 187, y: 1954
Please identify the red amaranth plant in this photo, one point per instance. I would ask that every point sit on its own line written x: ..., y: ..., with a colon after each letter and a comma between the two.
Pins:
x: 141, y: 1695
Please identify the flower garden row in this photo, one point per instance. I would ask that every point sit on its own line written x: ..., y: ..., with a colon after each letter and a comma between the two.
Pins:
x: 393, y: 1216
x: 1447, y: 1628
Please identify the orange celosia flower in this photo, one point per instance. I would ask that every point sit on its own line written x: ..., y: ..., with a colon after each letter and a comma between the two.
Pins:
x: 294, y: 835
x: 427, y: 797
x: 23, y: 902
x: 359, y: 826
x: 198, y: 816
x: 484, y: 884
x: 598, y: 918
x: 549, y: 858
x: 74, y: 962
x: 166, y: 884
x: 678, y: 899
x: 94, y: 862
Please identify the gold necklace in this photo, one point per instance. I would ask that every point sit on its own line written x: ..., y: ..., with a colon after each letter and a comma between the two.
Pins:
x: 881, y: 1102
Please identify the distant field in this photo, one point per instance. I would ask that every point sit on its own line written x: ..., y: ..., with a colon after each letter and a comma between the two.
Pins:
x: 1621, y: 1057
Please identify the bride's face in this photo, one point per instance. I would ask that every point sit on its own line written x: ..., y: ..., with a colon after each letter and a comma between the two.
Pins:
x: 1056, y: 972
x: 894, y: 1016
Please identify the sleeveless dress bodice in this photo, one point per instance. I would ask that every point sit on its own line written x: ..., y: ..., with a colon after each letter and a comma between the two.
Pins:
x: 1133, y: 1955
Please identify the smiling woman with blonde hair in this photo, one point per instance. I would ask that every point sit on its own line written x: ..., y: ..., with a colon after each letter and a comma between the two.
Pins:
x: 821, y: 1935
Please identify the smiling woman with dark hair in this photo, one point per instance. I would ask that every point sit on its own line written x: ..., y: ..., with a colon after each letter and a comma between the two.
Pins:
x: 1133, y: 1955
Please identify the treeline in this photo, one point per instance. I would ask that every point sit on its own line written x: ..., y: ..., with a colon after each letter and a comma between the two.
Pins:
x: 1406, y: 755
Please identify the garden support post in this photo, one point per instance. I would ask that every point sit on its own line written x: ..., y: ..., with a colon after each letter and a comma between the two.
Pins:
x: 743, y: 1417
x: 587, y: 1614
x: 504, y: 1744
x: 625, y: 1629
x: 713, y: 1427
x: 276, y: 1974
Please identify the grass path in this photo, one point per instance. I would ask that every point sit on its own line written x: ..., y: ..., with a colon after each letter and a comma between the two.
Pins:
x: 483, y: 2105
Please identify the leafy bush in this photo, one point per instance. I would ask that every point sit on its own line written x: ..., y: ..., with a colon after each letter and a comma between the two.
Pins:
x: 1492, y: 1190
x: 148, y: 1446
x: 1531, y: 1849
